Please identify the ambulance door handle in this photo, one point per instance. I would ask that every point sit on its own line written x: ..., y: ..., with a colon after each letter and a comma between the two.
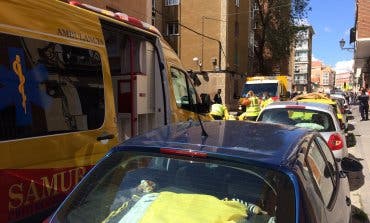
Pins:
x: 105, y: 136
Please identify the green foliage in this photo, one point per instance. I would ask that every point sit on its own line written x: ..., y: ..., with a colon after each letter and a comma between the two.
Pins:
x: 278, y: 22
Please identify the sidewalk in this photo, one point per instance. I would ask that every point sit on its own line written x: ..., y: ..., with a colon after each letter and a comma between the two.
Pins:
x: 360, y: 196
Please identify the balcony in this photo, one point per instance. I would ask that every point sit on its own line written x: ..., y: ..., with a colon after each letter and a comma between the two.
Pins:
x: 300, y: 81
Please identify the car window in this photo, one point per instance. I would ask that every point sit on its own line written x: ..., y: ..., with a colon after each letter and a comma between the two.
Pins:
x: 306, y: 118
x: 329, y: 157
x: 185, y: 93
x: 48, y: 88
x: 141, y: 188
x: 320, y: 172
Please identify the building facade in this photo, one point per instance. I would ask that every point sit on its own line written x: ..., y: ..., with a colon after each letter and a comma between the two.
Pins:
x: 343, y: 80
x: 362, y: 43
x: 303, y: 59
x: 210, y: 36
x: 322, y: 77
x: 140, y: 9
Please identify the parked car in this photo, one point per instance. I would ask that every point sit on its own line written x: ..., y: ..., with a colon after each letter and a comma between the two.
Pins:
x: 240, y: 172
x: 316, y: 116
x: 324, y: 99
x: 345, y: 108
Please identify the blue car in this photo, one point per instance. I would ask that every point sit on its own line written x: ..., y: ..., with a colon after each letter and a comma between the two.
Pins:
x: 235, y: 172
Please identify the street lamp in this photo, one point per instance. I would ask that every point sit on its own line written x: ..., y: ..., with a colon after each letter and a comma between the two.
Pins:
x: 342, y: 42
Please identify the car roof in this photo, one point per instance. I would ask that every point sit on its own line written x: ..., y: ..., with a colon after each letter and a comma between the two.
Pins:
x: 308, y: 105
x: 248, y: 141
x: 337, y: 95
x: 319, y: 100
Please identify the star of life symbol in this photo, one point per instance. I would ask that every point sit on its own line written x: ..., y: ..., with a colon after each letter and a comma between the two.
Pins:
x: 20, y: 87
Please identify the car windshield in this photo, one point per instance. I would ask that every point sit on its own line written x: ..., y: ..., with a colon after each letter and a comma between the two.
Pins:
x: 258, y: 89
x: 306, y: 118
x: 132, y: 188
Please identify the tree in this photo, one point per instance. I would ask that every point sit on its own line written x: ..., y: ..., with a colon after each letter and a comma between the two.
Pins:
x: 276, y: 25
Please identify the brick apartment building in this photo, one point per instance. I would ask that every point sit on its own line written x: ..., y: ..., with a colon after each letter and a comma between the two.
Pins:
x: 141, y: 9
x: 322, y: 77
x: 303, y: 59
x: 224, y: 50
x: 343, y: 80
x: 362, y: 43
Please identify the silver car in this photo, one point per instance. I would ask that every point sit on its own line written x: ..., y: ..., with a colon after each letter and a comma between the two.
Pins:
x: 316, y: 116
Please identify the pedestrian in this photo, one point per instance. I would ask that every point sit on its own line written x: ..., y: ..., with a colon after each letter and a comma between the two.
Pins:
x: 363, y: 99
x: 266, y: 100
x: 217, y: 98
x: 253, y: 108
x: 219, y: 112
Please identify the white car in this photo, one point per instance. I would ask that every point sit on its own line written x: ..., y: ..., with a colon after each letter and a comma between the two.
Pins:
x: 315, y: 116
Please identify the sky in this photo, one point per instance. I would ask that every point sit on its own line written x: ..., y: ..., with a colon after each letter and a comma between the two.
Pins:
x: 331, y: 21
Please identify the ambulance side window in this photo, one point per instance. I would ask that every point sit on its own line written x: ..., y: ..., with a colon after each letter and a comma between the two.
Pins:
x: 185, y: 93
x: 48, y: 88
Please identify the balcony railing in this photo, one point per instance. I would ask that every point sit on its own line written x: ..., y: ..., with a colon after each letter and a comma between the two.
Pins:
x: 300, y: 81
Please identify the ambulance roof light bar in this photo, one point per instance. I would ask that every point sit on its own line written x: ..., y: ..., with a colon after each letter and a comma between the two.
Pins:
x: 118, y: 16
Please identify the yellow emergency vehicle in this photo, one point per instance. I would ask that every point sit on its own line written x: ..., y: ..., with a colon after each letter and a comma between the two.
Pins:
x: 76, y: 80
x: 278, y: 87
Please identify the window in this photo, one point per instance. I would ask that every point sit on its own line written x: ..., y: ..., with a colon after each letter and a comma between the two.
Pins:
x: 320, y: 172
x: 185, y: 93
x: 48, y: 88
x: 325, y: 79
x: 329, y: 157
x: 154, y: 12
x: 305, y: 118
x: 172, y: 2
x: 172, y: 28
x: 237, y: 3
x: 135, y: 188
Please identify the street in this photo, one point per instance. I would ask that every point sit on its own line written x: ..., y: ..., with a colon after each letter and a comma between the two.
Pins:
x: 360, y: 183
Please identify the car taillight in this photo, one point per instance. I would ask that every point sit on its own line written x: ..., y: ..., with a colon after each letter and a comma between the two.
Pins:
x: 47, y: 220
x: 335, y: 142
x: 181, y: 152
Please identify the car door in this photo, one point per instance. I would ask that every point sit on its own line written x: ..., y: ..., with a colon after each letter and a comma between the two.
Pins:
x: 311, y: 207
x: 339, y: 209
x: 332, y: 189
x: 185, y: 96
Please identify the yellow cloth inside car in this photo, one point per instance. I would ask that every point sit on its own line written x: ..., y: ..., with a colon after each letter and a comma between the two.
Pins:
x: 193, y: 208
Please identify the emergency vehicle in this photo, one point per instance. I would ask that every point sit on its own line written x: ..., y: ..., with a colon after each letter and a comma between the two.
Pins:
x: 76, y: 80
x: 277, y: 86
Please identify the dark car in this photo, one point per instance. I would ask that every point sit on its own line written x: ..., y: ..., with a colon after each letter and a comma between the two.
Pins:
x: 240, y: 172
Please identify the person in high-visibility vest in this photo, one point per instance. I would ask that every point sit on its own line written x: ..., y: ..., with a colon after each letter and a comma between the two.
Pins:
x: 219, y: 112
x: 253, y: 109
x: 266, y: 100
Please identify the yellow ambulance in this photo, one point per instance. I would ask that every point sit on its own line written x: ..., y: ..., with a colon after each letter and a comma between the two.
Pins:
x: 76, y: 80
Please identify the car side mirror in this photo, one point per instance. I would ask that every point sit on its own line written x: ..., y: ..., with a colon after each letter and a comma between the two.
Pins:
x: 350, y: 139
x: 350, y: 165
x: 342, y: 126
x: 194, y: 77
